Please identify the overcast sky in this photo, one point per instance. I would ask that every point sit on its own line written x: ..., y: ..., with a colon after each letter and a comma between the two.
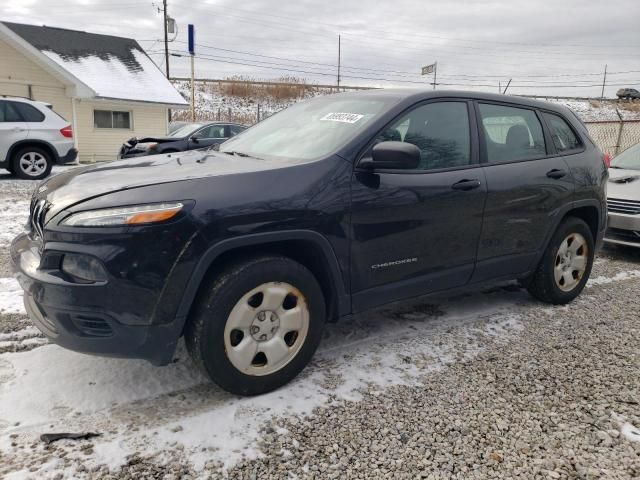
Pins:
x: 548, y: 47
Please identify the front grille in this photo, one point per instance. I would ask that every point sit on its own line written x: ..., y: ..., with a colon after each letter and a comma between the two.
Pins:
x: 36, y: 217
x: 630, y: 207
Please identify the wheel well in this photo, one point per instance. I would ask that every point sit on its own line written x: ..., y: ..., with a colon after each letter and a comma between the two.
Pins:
x: 590, y: 217
x: 47, y: 148
x: 304, y: 252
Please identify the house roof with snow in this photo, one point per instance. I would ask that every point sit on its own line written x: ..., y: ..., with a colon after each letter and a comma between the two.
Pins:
x: 100, y: 66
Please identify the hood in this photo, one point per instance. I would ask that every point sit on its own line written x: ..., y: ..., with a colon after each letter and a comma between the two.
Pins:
x: 624, y: 184
x: 83, y: 183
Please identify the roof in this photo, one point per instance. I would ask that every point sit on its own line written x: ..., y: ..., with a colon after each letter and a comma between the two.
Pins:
x: 111, y: 67
x: 417, y: 94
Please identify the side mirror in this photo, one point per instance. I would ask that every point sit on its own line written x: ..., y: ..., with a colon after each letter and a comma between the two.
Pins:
x: 394, y: 156
x: 194, y: 138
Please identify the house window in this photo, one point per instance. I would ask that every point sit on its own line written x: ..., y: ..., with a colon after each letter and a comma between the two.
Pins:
x: 111, y: 119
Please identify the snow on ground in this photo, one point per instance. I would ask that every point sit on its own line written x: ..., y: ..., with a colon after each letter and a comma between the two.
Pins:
x: 601, y: 280
x: 10, y: 296
x: 593, y: 110
x: 53, y: 389
x: 13, y: 218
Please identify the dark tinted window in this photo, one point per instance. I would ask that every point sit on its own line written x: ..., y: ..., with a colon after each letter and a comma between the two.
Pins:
x: 441, y: 132
x: 8, y: 112
x: 563, y: 136
x: 511, y: 133
x: 212, y: 131
x: 236, y: 129
x: 28, y: 112
x: 111, y: 119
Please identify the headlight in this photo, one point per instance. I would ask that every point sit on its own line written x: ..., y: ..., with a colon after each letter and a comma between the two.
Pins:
x: 146, y: 146
x: 136, y: 215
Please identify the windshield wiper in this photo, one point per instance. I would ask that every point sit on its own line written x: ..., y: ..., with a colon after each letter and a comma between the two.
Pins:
x: 241, y: 154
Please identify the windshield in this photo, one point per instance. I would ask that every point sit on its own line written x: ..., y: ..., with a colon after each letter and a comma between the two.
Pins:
x: 630, y: 159
x: 186, y: 130
x: 309, y: 129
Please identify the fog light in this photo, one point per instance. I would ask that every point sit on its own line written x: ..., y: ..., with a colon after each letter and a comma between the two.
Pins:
x: 83, y: 267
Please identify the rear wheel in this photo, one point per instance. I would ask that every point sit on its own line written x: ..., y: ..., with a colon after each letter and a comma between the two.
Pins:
x: 566, y: 264
x: 257, y: 325
x: 31, y: 163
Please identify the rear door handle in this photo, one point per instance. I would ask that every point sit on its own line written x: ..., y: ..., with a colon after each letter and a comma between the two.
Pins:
x: 556, y: 173
x: 466, y: 184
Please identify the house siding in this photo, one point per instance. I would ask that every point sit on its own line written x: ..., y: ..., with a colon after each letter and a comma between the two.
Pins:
x: 100, y: 144
x: 22, y: 73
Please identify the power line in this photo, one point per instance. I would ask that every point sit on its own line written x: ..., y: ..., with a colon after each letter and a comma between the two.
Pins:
x: 230, y: 60
x: 440, y: 37
x: 400, y: 73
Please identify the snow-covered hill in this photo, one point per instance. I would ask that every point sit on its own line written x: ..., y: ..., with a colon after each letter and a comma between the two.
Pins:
x: 214, y: 102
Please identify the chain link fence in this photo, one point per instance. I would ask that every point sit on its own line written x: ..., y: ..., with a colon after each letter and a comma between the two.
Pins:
x: 245, y: 116
x: 614, y: 137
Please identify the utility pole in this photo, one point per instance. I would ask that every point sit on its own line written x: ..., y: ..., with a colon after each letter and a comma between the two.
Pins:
x: 166, y: 37
x: 339, y: 59
x: 166, y: 46
x: 192, y: 52
x: 604, y: 82
x: 499, y: 87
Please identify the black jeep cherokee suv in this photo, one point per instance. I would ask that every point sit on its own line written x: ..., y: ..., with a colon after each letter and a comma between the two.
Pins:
x: 329, y: 208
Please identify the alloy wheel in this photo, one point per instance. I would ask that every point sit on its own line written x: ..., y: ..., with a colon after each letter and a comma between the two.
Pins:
x: 32, y: 164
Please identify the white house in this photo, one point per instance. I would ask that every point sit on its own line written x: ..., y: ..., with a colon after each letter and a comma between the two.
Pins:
x: 105, y: 86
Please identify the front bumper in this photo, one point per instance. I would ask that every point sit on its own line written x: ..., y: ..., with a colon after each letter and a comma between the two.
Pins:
x: 89, y: 318
x: 623, y: 229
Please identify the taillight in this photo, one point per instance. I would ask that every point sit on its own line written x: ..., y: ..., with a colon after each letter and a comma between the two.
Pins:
x: 606, y: 159
x: 67, y: 131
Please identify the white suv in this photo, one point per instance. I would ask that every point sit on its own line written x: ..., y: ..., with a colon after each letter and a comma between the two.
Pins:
x: 33, y: 137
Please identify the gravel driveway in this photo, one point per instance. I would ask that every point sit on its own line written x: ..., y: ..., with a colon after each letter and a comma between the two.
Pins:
x: 489, y: 384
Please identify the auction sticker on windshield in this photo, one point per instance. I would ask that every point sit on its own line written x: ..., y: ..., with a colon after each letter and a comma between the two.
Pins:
x: 342, y: 117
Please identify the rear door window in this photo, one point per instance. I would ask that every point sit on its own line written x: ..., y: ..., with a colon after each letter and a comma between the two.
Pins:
x: 28, y: 112
x: 564, y: 138
x: 511, y: 133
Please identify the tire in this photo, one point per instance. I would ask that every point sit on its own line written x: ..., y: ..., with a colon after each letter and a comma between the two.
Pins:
x: 31, y: 163
x: 566, y: 263
x: 228, y: 318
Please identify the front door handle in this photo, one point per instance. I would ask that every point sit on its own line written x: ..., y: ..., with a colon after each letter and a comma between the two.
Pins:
x: 466, y: 184
x: 556, y: 173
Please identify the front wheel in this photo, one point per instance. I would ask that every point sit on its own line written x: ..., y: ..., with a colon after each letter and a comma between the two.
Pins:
x: 566, y: 264
x: 257, y: 324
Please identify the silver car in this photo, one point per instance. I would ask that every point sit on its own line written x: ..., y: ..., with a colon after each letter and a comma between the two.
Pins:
x: 623, y: 198
x: 33, y: 138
